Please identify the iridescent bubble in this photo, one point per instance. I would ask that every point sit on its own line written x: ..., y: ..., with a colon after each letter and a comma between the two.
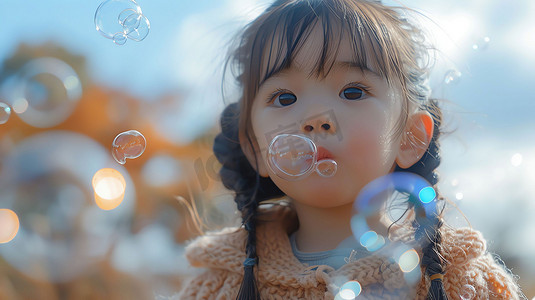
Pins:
x: 129, y: 144
x: 120, y: 20
x: 294, y: 157
x: 9, y: 225
x: 452, y: 76
x: 481, y: 43
x: 468, y: 292
x: 45, y: 92
x: 369, y: 224
x: 5, y: 112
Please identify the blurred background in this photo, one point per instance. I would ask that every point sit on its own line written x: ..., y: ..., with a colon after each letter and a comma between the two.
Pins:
x: 67, y: 90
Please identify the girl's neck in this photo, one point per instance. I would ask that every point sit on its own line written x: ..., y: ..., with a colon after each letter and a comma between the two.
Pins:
x: 322, y: 229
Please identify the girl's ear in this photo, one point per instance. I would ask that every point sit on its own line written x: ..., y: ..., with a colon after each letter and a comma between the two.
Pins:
x: 415, y: 139
x: 250, y: 153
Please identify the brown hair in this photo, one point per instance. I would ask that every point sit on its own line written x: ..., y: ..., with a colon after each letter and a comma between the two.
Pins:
x: 382, y: 39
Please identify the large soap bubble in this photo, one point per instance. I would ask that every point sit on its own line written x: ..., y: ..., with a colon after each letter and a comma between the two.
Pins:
x: 120, y: 20
x: 45, y: 92
x: 294, y: 157
x: 381, y: 199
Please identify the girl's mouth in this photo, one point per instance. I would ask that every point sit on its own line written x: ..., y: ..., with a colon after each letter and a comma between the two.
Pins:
x: 324, y: 154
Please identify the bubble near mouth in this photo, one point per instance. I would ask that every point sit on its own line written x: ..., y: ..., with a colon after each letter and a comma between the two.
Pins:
x: 294, y: 157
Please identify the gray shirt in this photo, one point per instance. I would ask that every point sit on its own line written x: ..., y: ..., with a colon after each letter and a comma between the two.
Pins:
x: 349, y: 250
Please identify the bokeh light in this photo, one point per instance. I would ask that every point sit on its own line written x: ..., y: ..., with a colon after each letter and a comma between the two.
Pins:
x: 109, y: 186
x: 9, y: 225
x: 129, y: 144
x: 409, y: 260
x: 350, y: 290
x: 516, y: 159
x: 427, y: 194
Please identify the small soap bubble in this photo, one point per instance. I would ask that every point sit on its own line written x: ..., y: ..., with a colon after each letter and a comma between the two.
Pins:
x: 326, y: 167
x: 141, y: 31
x: 129, y: 18
x: 120, y: 38
x: 452, y: 76
x: 129, y: 144
x: 481, y: 43
x: 468, y: 292
x: 294, y: 157
x: 5, y: 112
x: 120, y: 20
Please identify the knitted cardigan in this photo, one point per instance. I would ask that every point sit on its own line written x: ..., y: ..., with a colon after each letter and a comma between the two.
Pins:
x: 469, y: 268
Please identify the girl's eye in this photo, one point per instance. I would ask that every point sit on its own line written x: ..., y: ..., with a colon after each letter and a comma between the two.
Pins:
x: 285, y: 99
x: 354, y: 93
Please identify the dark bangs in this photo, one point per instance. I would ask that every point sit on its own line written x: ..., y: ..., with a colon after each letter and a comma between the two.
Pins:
x: 286, y: 28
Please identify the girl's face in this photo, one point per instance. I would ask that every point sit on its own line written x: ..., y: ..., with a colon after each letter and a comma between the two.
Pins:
x: 351, y: 112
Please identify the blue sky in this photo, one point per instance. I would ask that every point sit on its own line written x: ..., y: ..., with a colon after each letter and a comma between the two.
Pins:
x: 491, y: 106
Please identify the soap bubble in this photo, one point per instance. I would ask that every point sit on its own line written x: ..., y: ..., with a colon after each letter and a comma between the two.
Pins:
x: 481, y: 43
x: 120, y: 38
x: 109, y: 186
x: 120, y: 20
x: 9, y: 225
x: 5, y: 112
x: 452, y: 76
x: 129, y: 144
x: 294, y: 157
x: 468, y: 292
x: 45, y: 92
x: 382, y: 199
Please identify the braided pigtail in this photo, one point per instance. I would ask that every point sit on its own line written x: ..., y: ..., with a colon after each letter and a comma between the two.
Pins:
x: 238, y: 175
x: 428, y: 229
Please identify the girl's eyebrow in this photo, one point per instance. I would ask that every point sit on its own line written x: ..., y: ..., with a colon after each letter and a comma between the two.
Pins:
x: 354, y: 65
x: 279, y: 73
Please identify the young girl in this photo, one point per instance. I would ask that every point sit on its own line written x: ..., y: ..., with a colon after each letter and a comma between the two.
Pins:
x: 351, y: 74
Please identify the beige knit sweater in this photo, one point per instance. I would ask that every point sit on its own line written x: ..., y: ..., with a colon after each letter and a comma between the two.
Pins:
x: 280, y: 275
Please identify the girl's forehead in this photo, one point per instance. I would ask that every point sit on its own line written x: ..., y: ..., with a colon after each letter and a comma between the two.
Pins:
x: 308, y: 53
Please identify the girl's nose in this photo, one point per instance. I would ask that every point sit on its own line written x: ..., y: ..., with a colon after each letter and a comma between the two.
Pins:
x: 319, y: 126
